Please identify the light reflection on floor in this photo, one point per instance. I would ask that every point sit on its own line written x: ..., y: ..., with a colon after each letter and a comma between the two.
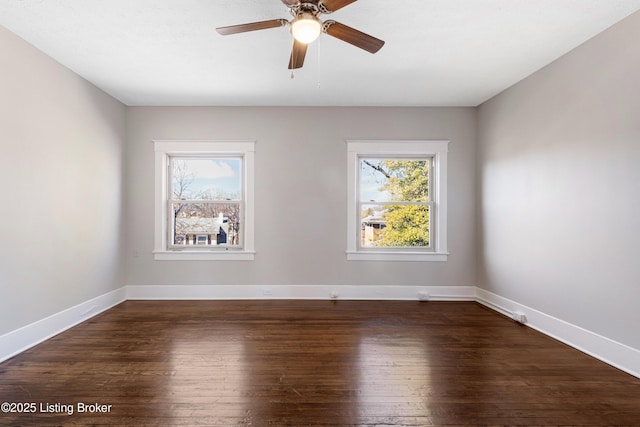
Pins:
x: 209, y: 370
x: 392, y: 375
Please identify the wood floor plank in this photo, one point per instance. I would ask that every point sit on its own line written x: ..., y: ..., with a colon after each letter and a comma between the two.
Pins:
x: 313, y: 363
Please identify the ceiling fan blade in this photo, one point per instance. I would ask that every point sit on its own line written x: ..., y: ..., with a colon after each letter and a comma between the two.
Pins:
x: 291, y: 2
x: 253, y: 26
x: 298, y: 53
x: 353, y: 36
x: 333, y: 5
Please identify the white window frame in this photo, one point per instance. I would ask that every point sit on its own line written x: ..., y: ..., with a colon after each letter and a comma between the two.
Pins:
x: 437, y: 150
x: 163, y: 151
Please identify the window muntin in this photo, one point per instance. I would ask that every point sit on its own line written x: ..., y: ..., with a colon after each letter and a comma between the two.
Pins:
x: 375, y: 201
x: 218, y: 204
x: 394, y: 203
x: 206, y: 203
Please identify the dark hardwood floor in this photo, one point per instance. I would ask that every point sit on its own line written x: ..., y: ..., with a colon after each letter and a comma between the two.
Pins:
x: 311, y: 363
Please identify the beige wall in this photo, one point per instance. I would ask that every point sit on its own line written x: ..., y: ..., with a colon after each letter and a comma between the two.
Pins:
x: 60, y: 173
x: 301, y: 194
x: 559, y: 187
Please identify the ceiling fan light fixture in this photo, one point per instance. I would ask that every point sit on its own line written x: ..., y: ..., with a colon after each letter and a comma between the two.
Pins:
x: 306, y: 28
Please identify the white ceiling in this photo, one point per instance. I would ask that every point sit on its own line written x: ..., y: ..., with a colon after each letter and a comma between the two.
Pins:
x: 437, y: 52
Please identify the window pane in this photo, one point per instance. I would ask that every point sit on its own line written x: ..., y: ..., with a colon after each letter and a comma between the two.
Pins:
x: 206, y: 224
x: 402, y: 180
x: 206, y: 179
x: 394, y: 226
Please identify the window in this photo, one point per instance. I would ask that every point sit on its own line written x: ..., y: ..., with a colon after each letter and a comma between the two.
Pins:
x: 204, y: 200
x: 397, y: 200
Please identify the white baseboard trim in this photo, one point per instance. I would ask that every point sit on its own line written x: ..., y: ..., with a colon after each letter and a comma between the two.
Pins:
x: 602, y: 348
x: 309, y: 292
x: 611, y: 352
x: 19, y: 340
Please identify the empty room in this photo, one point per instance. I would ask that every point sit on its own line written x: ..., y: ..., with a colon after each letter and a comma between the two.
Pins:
x: 320, y: 213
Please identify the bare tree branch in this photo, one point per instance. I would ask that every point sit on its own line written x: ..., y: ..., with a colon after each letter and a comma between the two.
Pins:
x: 378, y: 168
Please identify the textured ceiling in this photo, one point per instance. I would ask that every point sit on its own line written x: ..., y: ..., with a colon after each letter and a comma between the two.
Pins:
x: 437, y: 52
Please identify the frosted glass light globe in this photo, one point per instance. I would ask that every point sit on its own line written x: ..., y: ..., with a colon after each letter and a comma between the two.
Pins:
x: 306, y: 28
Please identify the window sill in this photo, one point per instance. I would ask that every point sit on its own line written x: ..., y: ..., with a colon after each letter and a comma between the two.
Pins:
x: 397, y: 256
x: 203, y: 256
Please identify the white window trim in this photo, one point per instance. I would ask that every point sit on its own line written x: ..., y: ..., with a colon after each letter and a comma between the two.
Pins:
x: 165, y: 149
x: 436, y: 149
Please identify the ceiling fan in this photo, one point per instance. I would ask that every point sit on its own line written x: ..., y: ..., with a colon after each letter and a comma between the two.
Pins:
x: 306, y: 27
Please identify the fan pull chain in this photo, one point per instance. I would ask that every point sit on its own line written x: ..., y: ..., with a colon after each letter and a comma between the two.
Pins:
x: 318, y: 77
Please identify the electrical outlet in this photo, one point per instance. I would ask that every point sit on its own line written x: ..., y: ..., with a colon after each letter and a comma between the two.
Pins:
x: 267, y: 292
x: 519, y: 317
x: 423, y: 296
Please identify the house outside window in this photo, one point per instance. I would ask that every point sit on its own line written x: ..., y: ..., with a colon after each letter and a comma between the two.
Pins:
x: 397, y: 200
x: 204, y: 200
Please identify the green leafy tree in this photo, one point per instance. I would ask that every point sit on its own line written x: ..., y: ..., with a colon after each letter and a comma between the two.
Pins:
x: 406, y: 180
x: 405, y: 226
